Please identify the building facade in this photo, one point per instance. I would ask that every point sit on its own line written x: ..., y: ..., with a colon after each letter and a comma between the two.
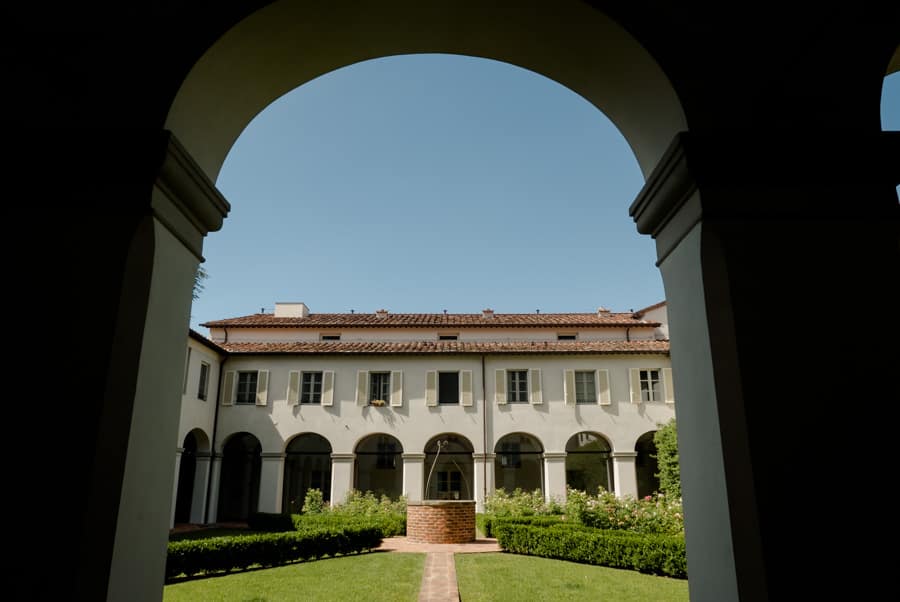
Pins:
x: 429, y: 406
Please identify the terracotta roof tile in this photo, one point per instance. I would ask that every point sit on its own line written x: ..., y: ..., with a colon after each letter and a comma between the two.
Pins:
x: 434, y: 321
x: 640, y: 313
x: 427, y: 347
x: 203, y: 340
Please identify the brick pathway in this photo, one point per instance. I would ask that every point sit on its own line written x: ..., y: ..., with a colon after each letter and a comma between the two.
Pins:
x: 439, y: 577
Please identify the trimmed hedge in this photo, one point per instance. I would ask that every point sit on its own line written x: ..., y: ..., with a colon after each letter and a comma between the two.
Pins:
x: 191, y: 557
x: 486, y: 523
x: 654, y: 554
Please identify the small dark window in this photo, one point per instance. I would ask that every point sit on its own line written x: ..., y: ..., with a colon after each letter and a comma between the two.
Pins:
x: 517, y: 386
x: 204, y: 381
x: 311, y: 388
x: 379, y: 386
x: 448, y: 337
x: 246, y: 387
x: 331, y: 337
x: 565, y: 337
x: 448, y: 387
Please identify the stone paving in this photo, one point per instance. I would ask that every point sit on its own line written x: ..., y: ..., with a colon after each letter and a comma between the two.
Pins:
x: 439, y: 577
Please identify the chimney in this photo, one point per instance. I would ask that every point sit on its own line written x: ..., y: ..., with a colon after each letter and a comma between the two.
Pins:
x: 381, y: 313
x: 487, y: 313
x: 602, y: 311
x: 291, y: 310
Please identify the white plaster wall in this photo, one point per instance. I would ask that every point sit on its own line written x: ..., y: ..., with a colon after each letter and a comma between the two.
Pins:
x: 659, y: 314
x: 553, y: 422
x: 197, y: 413
x: 413, y: 424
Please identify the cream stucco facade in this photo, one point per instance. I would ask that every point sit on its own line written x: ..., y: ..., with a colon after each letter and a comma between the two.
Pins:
x: 262, y: 400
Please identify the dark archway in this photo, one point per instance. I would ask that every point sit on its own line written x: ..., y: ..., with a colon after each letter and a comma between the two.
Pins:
x: 646, y: 467
x: 307, y: 465
x: 187, y: 471
x: 519, y: 463
x: 589, y: 463
x: 239, y: 485
x: 450, y: 472
x: 379, y: 466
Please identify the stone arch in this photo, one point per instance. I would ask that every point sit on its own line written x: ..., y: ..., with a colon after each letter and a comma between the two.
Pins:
x: 307, y: 465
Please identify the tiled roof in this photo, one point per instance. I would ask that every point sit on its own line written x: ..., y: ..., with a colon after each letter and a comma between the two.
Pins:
x: 435, y: 321
x: 203, y: 340
x: 427, y: 347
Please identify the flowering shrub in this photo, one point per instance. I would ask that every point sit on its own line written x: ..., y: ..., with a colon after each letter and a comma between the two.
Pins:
x: 520, y: 503
x: 358, y: 507
x: 651, y: 514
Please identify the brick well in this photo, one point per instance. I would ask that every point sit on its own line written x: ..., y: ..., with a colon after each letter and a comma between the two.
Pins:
x: 441, y: 521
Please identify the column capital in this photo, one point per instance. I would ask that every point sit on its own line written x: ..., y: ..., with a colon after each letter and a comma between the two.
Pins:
x: 412, y: 456
x: 623, y: 454
x: 184, y: 199
x: 488, y: 456
x: 272, y: 455
x: 343, y: 457
x: 555, y: 455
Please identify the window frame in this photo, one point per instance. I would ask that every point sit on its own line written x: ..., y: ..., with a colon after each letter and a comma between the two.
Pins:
x: 440, y: 375
x: 315, y: 398
x: 653, y: 390
x: 384, y: 377
x: 330, y: 336
x: 203, y: 384
x: 521, y: 386
x: 586, y: 399
x: 251, y: 395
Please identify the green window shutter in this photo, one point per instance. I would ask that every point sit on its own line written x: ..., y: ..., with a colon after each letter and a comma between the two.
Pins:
x: 635, y: 384
x: 602, y: 377
x: 670, y: 390
x: 328, y: 387
x: 534, y: 387
x: 431, y: 388
x: 262, y: 387
x: 569, y: 386
x: 362, y: 387
x: 500, y: 386
x: 228, y: 389
x: 397, y: 388
x: 293, y: 390
x: 465, y: 387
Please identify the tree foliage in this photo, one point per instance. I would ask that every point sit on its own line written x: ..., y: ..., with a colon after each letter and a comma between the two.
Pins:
x: 199, y: 277
x: 666, y: 440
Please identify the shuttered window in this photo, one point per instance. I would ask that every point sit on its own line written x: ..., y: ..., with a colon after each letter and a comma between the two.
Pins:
x: 517, y: 386
x: 311, y: 387
x: 465, y: 385
x: 246, y: 387
x: 585, y: 387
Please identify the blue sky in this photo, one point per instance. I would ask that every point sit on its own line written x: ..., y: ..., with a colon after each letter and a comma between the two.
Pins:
x: 424, y: 183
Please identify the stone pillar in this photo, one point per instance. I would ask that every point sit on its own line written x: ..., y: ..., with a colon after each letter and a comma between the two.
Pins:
x: 184, y: 206
x: 201, y: 483
x: 178, y: 453
x: 484, y: 478
x: 555, y: 476
x: 211, y: 511
x: 624, y: 473
x: 756, y: 229
x: 271, y: 482
x: 414, y: 476
x: 341, y: 477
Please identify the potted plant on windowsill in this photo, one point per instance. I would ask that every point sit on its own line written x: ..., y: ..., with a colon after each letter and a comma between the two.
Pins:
x: 377, y: 402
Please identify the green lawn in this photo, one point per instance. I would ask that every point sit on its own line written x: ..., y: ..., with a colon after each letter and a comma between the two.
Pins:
x: 373, y: 577
x: 396, y: 577
x: 500, y: 577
